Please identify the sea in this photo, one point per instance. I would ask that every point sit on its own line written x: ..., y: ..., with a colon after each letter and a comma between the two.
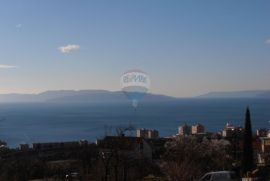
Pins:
x: 22, y: 123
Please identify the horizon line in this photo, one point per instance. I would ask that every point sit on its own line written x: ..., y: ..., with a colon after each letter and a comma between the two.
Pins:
x: 156, y: 93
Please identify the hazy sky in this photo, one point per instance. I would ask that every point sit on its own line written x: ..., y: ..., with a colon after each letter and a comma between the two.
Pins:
x: 187, y: 47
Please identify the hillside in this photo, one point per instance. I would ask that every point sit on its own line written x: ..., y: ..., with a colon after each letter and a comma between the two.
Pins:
x: 78, y: 96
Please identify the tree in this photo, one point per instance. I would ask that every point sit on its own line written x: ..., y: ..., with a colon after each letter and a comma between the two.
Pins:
x: 247, y: 159
x: 187, y: 158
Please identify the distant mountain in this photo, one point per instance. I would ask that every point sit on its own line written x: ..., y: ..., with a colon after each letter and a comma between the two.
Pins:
x: 78, y: 96
x: 238, y: 94
x: 115, y: 96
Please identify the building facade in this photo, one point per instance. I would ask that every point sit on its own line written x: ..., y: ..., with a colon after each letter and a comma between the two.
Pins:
x: 147, y: 133
x: 262, y: 132
x: 184, y: 130
x: 197, y: 129
x: 264, y: 153
x: 231, y: 131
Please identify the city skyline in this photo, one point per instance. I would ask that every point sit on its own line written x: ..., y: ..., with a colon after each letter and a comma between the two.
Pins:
x: 188, y: 48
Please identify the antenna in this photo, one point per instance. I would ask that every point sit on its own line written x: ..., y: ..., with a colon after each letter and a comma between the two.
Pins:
x: 122, y: 130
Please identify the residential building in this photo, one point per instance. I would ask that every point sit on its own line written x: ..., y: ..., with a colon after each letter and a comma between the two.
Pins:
x: 153, y: 133
x: 184, y: 130
x: 197, y: 129
x: 261, y: 132
x: 24, y: 147
x: 264, y: 154
x: 231, y: 131
x: 147, y: 133
x: 142, y: 133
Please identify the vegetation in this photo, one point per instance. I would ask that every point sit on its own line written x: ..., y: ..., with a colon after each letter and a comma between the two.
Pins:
x: 122, y: 158
x: 188, y: 159
x: 247, y: 160
x: 17, y: 165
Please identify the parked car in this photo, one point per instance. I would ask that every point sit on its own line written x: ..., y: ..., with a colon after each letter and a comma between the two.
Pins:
x: 219, y: 176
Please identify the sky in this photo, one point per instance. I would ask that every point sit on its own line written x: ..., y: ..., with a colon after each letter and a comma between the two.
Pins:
x: 186, y: 47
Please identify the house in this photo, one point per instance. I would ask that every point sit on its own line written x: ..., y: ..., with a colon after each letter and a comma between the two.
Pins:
x: 197, y: 129
x: 264, y: 153
x: 147, y: 133
x: 184, y: 129
x: 262, y: 132
x: 232, y: 132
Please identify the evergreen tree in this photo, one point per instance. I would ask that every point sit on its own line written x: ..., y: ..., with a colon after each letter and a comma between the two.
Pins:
x: 247, y: 162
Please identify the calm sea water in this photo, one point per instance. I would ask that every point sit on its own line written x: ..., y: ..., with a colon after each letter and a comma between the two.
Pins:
x: 44, y: 122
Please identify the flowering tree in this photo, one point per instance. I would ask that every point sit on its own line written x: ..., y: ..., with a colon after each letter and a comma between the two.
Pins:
x: 187, y: 159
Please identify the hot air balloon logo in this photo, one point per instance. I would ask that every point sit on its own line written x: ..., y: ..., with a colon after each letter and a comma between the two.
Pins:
x: 135, y: 84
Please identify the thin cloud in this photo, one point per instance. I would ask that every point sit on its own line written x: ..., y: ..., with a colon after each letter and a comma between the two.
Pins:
x: 267, y: 41
x: 7, y: 66
x: 69, y: 48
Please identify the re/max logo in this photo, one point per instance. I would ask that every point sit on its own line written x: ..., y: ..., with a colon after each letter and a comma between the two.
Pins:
x: 134, y: 78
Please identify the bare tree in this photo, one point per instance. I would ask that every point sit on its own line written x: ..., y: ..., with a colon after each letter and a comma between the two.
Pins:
x: 187, y: 159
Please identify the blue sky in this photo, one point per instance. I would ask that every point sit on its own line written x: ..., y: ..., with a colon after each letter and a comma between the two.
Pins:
x: 187, y: 47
